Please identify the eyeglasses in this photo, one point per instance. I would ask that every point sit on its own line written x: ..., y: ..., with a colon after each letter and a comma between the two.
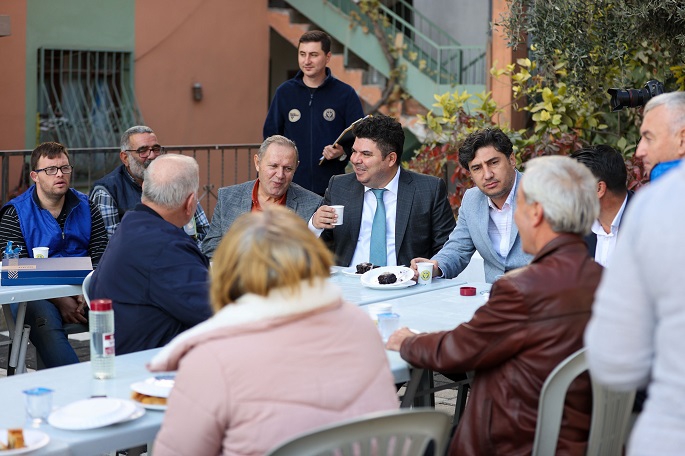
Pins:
x: 52, y: 170
x: 145, y: 151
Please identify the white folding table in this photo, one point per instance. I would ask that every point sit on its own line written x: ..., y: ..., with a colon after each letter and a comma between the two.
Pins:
x: 353, y: 291
x: 442, y: 309
x: 19, y: 333
x: 432, y: 309
x: 72, y: 383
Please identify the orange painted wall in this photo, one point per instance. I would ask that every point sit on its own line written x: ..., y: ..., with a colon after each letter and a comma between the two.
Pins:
x: 13, y: 76
x: 223, y: 45
x: 13, y: 87
x: 501, y: 55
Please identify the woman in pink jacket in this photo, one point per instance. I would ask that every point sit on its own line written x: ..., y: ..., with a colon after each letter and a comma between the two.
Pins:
x: 283, y: 353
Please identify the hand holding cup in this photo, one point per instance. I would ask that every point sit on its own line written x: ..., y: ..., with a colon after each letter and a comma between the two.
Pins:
x: 415, y: 266
x: 425, y: 270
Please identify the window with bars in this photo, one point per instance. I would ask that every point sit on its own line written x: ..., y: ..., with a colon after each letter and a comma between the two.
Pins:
x: 85, y: 97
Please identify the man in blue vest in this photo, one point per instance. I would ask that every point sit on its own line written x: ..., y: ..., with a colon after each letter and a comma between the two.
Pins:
x: 51, y: 214
x: 120, y: 190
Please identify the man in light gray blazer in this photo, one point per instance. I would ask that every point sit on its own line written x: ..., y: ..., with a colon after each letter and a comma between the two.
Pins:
x: 485, y: 222
x: 276, y: 163
x: 418, y: 217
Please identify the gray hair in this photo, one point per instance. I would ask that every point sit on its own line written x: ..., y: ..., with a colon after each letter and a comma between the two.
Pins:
x: 277, y: 139
x: 566, y: 190
x: 170, y: 179
x: 675, y: 105
x: 125, y: 138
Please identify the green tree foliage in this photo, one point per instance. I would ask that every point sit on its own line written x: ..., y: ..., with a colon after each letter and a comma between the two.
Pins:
x: 604, y: 41
x: 581, y: 48
x: 455, y: 116
x: 577, y: 50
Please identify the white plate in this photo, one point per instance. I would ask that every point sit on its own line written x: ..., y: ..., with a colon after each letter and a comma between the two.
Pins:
x: 350, y: 272
x: 403, y: 273
x: 394, y: 286
x: 94, y: 413
x: 32, y: 439
x: 150, y: 406
x: 137, y: 413
x: 159, y: 385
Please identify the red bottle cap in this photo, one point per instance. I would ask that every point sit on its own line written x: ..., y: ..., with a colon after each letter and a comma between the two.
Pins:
x: 101, y: 305
x: 467, y: 291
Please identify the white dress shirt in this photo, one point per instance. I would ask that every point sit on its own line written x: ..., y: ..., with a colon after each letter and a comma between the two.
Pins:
x: 363, y: 250
x: 500, y: 223
x: 606, y: 242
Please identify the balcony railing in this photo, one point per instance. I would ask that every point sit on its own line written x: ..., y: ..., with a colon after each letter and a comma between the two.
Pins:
x: 220, y: 165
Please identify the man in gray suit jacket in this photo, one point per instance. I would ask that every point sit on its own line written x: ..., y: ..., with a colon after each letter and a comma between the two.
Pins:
x: 276, y: 163
x: 418, y: 217
x: 485, y: 221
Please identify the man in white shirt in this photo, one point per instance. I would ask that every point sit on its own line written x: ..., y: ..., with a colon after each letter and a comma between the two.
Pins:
x: 485, y: 221
x: 411, y: 210
x: 608, y: 166
x: 635, y: 336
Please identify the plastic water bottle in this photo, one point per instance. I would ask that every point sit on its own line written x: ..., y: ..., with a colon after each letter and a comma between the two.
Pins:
x: 101, y: 324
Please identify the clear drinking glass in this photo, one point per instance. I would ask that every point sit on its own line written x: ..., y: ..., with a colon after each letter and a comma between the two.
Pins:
x: 38, y: 405
x: 388, y: 323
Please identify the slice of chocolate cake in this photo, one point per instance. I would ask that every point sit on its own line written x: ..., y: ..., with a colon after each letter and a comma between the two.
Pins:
x: 365, y: 267
x: 387, y: 278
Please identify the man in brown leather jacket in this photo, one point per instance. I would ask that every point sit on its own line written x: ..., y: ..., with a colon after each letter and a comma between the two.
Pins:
x: 534, y: 319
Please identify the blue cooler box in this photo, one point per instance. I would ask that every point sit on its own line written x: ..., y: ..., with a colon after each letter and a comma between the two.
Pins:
x: 45, y: 271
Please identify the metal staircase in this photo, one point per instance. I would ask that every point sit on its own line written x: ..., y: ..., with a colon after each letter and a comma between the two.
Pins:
x: 432, y: 61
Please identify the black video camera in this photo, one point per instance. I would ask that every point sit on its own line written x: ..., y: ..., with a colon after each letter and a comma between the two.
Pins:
x: 633, y: 98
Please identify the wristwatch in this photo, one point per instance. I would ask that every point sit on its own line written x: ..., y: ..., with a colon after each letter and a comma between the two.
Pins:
x: 342, y: 157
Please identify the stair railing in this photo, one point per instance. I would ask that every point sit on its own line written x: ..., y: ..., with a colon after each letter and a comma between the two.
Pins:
x: 426, y: 46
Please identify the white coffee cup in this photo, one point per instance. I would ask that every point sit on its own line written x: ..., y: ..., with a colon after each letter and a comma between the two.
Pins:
x: 339, y: 210
x: 378, y: 308
x: 425, y: 273
x: 40, y: 252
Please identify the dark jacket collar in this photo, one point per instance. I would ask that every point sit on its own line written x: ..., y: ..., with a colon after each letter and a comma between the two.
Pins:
x: 299, y: 77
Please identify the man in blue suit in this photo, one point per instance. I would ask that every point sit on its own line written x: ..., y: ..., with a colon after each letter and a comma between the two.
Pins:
x: 486, y: 216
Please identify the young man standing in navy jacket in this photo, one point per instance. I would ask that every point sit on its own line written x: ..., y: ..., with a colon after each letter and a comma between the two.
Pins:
x: 312, y: 109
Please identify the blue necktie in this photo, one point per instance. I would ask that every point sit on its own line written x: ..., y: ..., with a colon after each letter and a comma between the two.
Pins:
x: 378, y: 251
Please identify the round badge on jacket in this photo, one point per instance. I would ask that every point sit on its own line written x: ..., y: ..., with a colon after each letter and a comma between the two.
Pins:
x: 294, y: 115
x: 329, y: 114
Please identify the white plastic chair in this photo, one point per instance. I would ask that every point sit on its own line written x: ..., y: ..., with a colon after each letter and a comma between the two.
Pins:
x: 610, y: 411
x: 407, y: 432
x: 86, y: 286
